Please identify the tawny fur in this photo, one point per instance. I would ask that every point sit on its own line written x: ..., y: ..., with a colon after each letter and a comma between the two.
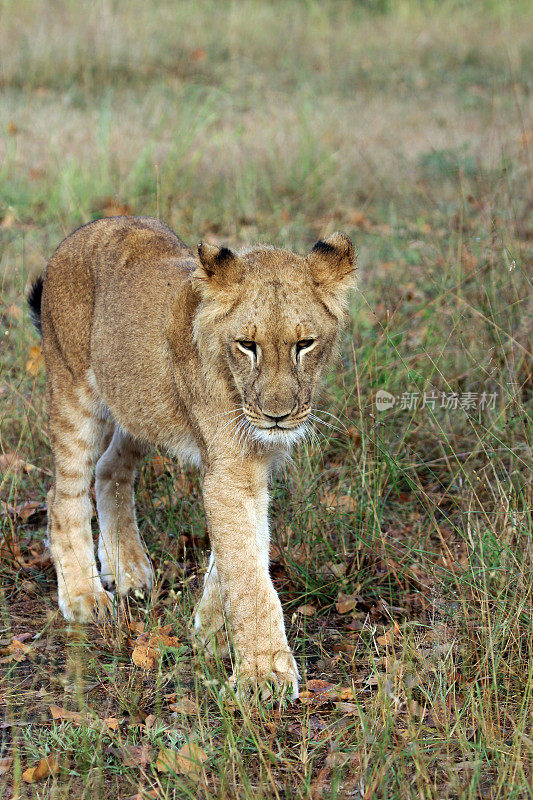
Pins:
x: 149, y: 344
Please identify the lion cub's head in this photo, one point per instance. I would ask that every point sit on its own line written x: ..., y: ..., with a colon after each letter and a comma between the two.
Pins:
x: 269, y: 320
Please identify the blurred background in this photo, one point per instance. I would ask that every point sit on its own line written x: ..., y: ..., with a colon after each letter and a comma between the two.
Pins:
x: 405, y: 534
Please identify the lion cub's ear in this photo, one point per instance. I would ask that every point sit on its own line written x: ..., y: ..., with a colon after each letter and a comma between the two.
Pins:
x: 332, y: 262
x: 219, y: 266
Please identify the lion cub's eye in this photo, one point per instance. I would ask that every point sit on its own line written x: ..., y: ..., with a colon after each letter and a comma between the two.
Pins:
x: 247, y: 344
x: 303, y: 344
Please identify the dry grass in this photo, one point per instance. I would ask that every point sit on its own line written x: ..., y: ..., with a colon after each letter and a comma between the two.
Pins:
x: 409, y: 535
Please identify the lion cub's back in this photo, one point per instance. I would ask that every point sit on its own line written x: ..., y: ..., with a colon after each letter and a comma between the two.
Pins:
x: 105, y: 267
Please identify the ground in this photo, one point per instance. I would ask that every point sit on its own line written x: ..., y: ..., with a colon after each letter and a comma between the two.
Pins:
x: 402, y: 540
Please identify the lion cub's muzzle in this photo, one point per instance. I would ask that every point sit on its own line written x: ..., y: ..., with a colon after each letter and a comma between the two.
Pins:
x: 275, y: 419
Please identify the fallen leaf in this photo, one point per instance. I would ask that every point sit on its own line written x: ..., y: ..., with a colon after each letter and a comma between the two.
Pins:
x: 389, y: 636
x: 148, y: 647
x: 5, y: 764
x: 46, y: 767
x: 35, y: 359
x: 27, y: 509
x: 59, y: 713
x: 345, y: 603
x: 317, y: 691
x: 306, y: 611
x: 318, y: 685
x: 342, y: 502
x: 346, y: 708
x: 346, y: 694
x: 133, y: 755
x: 184, y: 705
x: 64, y: 715
x: 144, y: 794
x: 187, y: 760
x: 318, y: 785
x: 144, y: 655
x: 14, y: 462
x: 18, y: 648
x: 198, y: 54
x: 335, y: 758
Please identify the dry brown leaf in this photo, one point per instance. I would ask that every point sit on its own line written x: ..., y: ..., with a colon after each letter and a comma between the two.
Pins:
x: 18, y: 648
x: 346, y: 708
x: 319, y: 783
x: 184, y: 705
x: 144, y: 794
x: 346, y: 694
x: 144, y: 655
x: 27, y: 509
x: 317, y: 691
x: 35, y: 359
x: 134, y: 755
x: 46, y: 767
x: 187, y: 760
x: 342, y: 502
x: 345, y: 603
x: 390, y: 635
x: 148, y: 647
x: 14, y: 462
x: 63, y: 714
x: 5, y: 764
x: 59, y: 713
x: 306, y: 611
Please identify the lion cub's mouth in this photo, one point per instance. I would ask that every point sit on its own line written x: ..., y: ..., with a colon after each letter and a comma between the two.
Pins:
x: 270, y: 432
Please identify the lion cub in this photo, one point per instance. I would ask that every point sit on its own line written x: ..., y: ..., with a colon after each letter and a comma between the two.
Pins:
x: 214, y: 356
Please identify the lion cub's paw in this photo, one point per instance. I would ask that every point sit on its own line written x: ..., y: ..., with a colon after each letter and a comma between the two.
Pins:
x: 87, y: 605
x: 129, y: 575
x: 262, y: 671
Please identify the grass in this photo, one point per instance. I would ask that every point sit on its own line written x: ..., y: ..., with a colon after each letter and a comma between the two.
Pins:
x: 402, y: 546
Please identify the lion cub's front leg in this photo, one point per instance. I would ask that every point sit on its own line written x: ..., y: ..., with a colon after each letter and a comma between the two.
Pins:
x: 235, y: 500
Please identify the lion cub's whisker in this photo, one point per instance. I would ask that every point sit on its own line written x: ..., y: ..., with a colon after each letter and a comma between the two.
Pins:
x: 224, y: 413
x: 323, y: 422
x: 226, y: 425
x: 323, y: 411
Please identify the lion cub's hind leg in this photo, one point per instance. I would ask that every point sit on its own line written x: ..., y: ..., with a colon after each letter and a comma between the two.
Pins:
x: 123, y: 560
x: 75, y: 427
x: 209, y: 621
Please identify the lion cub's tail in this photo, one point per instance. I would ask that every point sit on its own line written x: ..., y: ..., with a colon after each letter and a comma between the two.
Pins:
x: 34, y: 298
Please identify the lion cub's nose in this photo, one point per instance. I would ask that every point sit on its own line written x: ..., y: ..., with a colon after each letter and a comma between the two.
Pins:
x: 276, y: 416
x: 275, y: 419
